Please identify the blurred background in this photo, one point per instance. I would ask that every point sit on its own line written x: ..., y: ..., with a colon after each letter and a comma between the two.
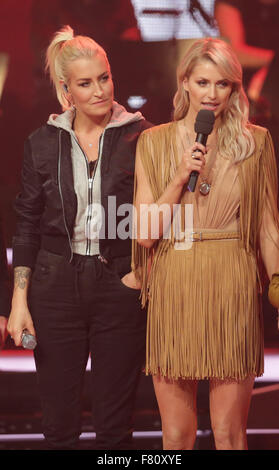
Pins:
x: 144, y: 40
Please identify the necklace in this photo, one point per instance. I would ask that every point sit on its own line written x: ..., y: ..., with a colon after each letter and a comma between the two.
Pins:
x: 205, y: 185
x: 205, y: 188
x: 83, y: 141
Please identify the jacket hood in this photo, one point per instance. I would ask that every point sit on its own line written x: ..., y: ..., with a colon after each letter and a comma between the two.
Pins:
x: 120, y: 117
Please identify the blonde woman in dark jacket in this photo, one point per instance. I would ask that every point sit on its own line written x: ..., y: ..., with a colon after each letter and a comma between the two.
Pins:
x: 73, y: 285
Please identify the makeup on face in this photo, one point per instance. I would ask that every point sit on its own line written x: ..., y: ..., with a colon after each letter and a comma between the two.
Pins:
x: 90, y: 86
x: 207, y: 88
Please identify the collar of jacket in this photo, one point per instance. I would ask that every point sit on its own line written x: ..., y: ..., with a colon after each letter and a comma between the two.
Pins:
x: 120, y: 117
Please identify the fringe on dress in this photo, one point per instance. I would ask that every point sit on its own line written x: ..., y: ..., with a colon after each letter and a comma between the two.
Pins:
x: 204, y: 309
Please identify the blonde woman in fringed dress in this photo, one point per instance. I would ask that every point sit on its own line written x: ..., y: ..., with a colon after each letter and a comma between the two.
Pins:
x: 204, y: 319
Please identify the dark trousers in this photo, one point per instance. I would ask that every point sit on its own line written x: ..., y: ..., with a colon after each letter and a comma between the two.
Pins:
x: 77, y: 309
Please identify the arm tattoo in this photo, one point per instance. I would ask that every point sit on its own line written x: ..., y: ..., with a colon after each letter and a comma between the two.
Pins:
x: 21, y: 277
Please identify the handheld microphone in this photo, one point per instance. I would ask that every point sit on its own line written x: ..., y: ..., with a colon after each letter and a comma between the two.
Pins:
x: 203, y: 127
x: 28, y: 341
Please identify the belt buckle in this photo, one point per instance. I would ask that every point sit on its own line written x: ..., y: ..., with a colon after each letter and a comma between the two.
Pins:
x: 192, y: 239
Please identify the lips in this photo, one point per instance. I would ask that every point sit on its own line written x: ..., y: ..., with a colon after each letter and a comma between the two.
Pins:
x: 99, y: 102
x: 211, y: 106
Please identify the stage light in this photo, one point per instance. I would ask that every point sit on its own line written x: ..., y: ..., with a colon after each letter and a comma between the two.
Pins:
x: 136, y: 102
x: 9, y: 256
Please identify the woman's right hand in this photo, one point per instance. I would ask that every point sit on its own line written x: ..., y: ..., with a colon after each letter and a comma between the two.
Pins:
x: 19, y: 320
x: 189, y: 163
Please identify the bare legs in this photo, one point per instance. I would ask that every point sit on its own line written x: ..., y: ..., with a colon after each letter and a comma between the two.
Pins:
x: 177, y: 405
x: 229, y: 406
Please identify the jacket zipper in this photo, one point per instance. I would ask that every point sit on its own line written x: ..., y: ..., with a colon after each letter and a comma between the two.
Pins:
x: 61, y: 196
x: 90, y: 192
x: 89, y: 214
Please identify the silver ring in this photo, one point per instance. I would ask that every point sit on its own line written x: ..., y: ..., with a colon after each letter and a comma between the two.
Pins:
x: 194, y: 156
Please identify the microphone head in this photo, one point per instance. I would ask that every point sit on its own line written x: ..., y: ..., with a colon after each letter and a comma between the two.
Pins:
x: 204, y: 122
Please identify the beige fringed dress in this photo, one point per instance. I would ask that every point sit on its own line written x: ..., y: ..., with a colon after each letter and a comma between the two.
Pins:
x: 204, y: 315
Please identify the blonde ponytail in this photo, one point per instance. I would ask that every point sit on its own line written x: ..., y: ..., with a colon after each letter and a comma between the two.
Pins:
x: 65, y: 48
x: 54, y: 65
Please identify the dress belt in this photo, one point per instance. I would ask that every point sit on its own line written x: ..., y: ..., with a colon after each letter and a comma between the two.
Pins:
x: 202, y: 236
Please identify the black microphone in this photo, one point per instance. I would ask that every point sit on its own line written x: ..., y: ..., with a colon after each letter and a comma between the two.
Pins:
x: 203, y: 127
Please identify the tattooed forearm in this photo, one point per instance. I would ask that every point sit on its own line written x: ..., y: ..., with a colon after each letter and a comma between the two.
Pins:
x: 21, y: 277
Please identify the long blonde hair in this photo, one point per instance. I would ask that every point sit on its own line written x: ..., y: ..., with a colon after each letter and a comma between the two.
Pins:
x: 234, y: 138
x: 65, y: 48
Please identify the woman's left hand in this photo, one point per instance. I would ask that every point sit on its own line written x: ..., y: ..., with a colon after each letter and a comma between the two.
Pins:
x: 129, y: 280
x: 273, y: 290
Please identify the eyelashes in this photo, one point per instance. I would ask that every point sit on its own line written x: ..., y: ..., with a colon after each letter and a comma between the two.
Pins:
x: 222, y: 84
x: 201, y: 82
x: 103, y: 79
